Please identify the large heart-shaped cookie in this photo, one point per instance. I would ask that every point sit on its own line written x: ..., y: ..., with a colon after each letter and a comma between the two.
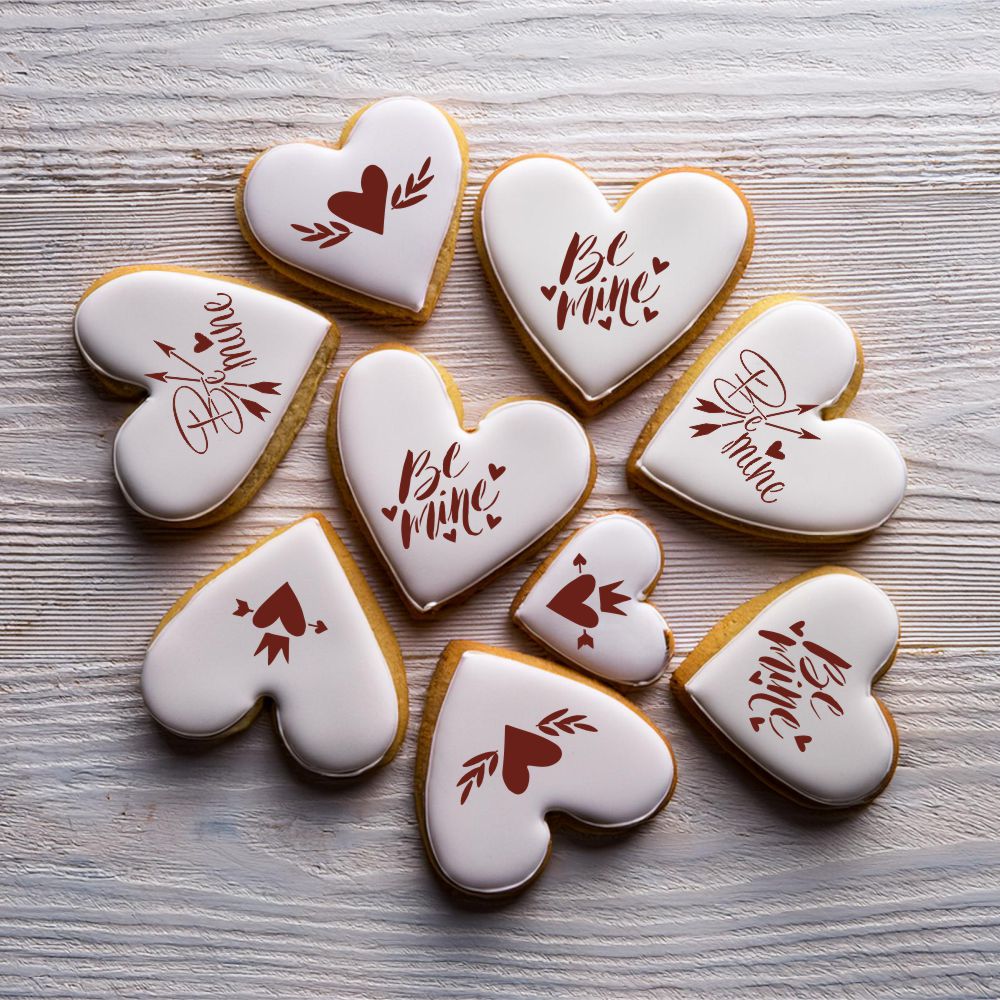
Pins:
x: 446, y: 508
x: 604, y: 296
x: 372, y: 219
x: 290, y: 619
x: 229, y: 371
x: 745, y: 436
x: 506, y: 740
x: 587, y: 601
x: 785, y: 682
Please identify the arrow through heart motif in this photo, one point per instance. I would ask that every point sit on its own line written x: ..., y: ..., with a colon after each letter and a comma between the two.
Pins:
x: 283, y: 607
x: 570, y: 601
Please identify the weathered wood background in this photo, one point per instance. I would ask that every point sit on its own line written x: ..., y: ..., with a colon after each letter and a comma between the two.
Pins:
x: 866, y: 136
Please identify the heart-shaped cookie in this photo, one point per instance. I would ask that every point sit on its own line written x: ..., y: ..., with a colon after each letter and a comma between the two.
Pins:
x: 785, y: 682
x: 290, y: 619
x: 371, y: 219
x: 447, y: 508
x: 506, y: 740
x: 229, y: 371
x: 745, y: 437
x: 587, y: 601
x: 604, y: 296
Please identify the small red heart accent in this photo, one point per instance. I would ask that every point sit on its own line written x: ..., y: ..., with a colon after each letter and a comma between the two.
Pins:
x: 492, y: 520
x: 801, y: 741
x: 756, y: 722
x: 319, y: 627
x: 496, y: 471
x: 755, y: 679
x: 660, y: 265
x: 649, y: 314
x: 451, y: 535
x: 775, y: 451
x: 390, y: 512
x: 606, y: 322
x: 364, y: 208
x: 201, y: 343
x: 548, y: 291
x: 798, y: 628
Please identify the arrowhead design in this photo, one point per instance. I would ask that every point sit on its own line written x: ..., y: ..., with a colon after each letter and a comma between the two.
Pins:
x: 610, y: 598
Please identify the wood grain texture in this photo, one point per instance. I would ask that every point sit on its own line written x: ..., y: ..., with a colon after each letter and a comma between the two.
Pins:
x: 866, y: 137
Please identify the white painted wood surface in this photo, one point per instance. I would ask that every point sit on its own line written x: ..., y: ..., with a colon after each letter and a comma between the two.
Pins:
x: 866, y: 136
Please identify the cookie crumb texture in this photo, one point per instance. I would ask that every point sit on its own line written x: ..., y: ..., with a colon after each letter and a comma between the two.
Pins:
x: 508, y: 740
x: 229, y: 371
x: 290, y: 620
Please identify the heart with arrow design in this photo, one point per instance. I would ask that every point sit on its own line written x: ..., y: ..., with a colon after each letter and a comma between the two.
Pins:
x: 587, y: 601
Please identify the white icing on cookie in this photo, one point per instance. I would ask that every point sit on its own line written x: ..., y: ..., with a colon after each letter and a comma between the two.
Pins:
x: 371, y: 216
x: 447, y: 507
x: 603, y: 292
x: 747, y: 441
x: 797, y: 700
x: 221, y: 363
x: 285, y: 623
x: 589, y: 605
x: 514, y: 742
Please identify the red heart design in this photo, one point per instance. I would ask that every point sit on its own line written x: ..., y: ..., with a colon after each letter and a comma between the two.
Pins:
x: 798, y: 628
x: 320, y: 627
x: 649, y: 314
x: 492, y: 520
x: 660, y: 265
x: 496, y: 471
x: 756, y: 722
x: 451, y: 535
x: 521, y: 750
x: 201, y: 343
x: 775, y: 451
x: 282, y: 606
x: 364, y: 208
x: 606, y: 322
x: 548, y: 291
x: 390, y: 512
x: 801, y: 741
x: 569, y: 602
x: 755, y: 679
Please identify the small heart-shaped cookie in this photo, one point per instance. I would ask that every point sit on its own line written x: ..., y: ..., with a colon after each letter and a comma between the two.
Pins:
x: 587, y: 601
x: 496, y: 492
x: 508, y: 739
x: 372, y: 219
x: 220, y: 415
x: 290, y: 619
x: 813, y: 730
x: 786, y: 366
x: 587, y: 285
